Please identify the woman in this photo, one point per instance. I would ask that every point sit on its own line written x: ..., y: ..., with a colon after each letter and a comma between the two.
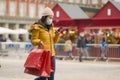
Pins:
x: 42, y: 35
x: 68, y: 48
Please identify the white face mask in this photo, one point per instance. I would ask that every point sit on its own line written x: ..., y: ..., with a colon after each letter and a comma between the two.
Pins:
x: 49, y: 21
x: 82, y: 35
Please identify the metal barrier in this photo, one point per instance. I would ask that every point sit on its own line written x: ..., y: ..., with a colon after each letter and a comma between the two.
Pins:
x: 93, y: 50
x: 24, y: 47
x: 113, y: 50
x: 15, y: 48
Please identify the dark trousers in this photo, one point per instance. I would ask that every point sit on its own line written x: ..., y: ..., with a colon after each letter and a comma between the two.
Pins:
x: 52, y: 73
x: 80, y: 54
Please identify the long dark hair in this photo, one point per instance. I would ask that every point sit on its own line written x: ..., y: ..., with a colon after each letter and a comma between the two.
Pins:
x: 43, y: 22
x: 43, y: 19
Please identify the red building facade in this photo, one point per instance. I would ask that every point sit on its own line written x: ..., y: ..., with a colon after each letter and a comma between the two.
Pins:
x: 30, y: 8
x: 107, y: 18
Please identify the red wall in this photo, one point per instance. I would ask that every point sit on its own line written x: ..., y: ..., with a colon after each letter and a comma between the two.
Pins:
x: 63, y: 15
x: 115, y: 13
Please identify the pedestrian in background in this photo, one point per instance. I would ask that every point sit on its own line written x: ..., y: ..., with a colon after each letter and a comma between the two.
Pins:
x: 103, y: 48
x: 81, y: 46
x: 68, y: 48
x: 43, y: 35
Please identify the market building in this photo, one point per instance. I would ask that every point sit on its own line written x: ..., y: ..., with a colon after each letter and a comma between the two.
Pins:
x: 105, y: 23
x: 65, y: 15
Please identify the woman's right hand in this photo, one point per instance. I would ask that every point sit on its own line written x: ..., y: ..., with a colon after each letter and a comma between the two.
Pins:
x: 41, y: 44
x: 59, y: 30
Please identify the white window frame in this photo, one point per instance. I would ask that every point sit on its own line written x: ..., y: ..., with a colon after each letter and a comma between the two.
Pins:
x: 77, y: 1
x: 94, y: 1
x: 32, y: 10
x: 12, y: 8
x: 22, y: 9
x: 109, y: 12
x: 104, y: 1
x: 71, y: 1
x: 40, y: 9
x: 84, y: 1
x: 2, y: 7
x: 57, y: 14
x: 60, y: 0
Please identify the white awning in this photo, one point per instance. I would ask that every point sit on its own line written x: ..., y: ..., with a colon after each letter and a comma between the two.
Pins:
x: 20, y: 31
x: 6, y: 31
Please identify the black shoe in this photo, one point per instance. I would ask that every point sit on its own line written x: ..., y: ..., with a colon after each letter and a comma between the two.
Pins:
x: 80, y: 59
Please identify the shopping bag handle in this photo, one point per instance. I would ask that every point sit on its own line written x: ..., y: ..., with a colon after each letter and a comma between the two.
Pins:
x: 41, y: 46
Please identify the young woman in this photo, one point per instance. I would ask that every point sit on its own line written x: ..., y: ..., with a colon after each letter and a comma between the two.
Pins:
x: 43, y: 35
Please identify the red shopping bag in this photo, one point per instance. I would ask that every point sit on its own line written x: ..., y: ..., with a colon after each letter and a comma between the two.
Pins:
x: 46, y: 65
x: 38, y: 63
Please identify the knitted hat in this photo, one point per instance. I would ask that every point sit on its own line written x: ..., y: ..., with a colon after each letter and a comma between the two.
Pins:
x: 82, y: 34
x: 47, y: 11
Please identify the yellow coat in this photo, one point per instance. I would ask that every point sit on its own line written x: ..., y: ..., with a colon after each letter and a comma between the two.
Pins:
x: 40, y: 33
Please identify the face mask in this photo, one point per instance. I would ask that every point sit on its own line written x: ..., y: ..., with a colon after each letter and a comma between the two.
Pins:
x: 82, y: 35
x: 49, y: 21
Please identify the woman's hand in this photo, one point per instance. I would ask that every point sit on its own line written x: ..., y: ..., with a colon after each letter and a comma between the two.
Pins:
x: 41, y: 44
x: 59, y: 30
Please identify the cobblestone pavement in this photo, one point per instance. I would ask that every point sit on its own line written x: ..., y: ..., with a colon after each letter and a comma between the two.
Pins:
x: 12, y: 69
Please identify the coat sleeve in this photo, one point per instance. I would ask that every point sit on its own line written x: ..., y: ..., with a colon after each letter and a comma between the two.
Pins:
x: 35, y: 37
x: 56, y: 37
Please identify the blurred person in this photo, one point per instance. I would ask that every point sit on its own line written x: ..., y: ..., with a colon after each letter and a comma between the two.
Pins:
x: 67, y: 34
x: 68, y: 47
x: 81, y: 46
x: 21, y: 38
x: 119, y: 44
x: 103, y: 46
x: 43, y: 35
x: 61, y: 40
x: 2, y: 38
x: 119, y: 41
x: 92, y: 40
x: 9, y: 39
x: 60, y: 47
x: 29, y: 36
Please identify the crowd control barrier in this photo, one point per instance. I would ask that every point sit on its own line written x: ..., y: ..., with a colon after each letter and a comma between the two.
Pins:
x: 113, y: 50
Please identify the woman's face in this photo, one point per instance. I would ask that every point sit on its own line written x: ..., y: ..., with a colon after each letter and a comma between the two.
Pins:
x: 49, y: 20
